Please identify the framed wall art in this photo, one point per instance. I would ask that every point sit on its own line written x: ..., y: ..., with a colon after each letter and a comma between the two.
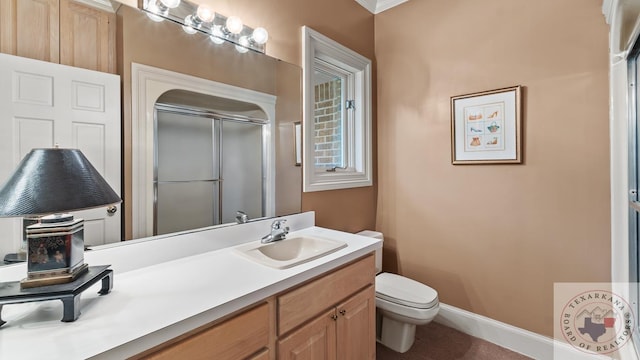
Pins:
x: 486, y: 127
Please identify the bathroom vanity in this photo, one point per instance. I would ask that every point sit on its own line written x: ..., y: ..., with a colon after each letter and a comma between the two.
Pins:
x: 336, y: 310
x: 195, y: 294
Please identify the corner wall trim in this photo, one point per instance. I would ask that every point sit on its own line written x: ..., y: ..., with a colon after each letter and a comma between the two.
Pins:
x: 508, y: 336
x: 378, y: 6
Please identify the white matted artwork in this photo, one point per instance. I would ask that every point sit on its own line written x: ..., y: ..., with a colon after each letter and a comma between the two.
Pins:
x: 486, y: 127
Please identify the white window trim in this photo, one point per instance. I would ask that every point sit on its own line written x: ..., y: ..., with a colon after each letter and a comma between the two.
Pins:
x: 358, y: 159
x: 624, y: 20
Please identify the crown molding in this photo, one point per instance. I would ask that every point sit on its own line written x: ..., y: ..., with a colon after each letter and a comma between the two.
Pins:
x: 607, y: 10
x: 378, y: 6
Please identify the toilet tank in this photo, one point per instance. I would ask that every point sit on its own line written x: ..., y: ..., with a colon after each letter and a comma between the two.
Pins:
x: 375, y: 235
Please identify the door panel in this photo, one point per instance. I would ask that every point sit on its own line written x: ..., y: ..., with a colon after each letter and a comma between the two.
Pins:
x: 33, y: 133
x: 91, y: 139
x: 356, y: 326
x: 316, y: 340
x: 45, y: 104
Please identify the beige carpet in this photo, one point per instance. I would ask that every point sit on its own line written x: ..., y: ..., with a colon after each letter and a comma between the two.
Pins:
x: 438, y: 342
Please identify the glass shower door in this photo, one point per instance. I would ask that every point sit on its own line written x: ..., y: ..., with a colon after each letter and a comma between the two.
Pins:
x: 187, y: 181
x: 242, y: 170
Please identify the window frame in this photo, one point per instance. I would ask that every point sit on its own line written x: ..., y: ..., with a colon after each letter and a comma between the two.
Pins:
x: 357, y: 141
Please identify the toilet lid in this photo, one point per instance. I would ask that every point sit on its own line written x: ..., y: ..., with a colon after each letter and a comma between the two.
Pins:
x: 404, y: 291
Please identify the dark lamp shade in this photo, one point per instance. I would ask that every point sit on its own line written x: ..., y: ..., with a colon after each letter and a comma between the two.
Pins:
x: 53, y: 181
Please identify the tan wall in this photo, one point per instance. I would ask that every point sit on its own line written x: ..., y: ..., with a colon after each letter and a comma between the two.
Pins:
x: 492, y: 239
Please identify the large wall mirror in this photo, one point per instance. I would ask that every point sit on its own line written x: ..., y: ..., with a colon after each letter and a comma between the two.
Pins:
x: 140, y: 41
x: 273, y: 85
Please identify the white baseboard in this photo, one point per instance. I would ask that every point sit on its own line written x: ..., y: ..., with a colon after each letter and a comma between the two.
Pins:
x: 510, y: 337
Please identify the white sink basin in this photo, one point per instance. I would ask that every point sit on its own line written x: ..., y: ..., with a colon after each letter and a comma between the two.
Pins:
x: 289, y: 252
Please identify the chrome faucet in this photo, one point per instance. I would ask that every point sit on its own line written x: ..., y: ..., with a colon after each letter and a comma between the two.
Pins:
x: 278, y: 232
x: 241, y: 217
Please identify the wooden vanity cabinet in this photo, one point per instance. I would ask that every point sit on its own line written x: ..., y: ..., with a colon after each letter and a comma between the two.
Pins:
x: 332, y: 317
x: 344, y: 332
x: 240, y: 337
x: 59, y: 31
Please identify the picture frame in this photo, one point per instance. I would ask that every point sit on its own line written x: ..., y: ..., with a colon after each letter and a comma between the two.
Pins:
x: 297, y: 141
x: 486, y: 127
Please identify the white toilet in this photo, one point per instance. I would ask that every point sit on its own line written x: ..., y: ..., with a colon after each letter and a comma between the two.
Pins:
x: 401, y: 304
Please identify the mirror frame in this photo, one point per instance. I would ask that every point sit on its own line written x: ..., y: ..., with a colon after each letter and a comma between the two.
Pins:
x: 147, y: 85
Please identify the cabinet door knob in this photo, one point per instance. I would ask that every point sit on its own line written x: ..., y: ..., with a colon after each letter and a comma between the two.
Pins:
x: 343, y: 311
x: 334, y: 317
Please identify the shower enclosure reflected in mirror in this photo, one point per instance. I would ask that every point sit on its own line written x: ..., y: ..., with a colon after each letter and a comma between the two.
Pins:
x: 209, y: 161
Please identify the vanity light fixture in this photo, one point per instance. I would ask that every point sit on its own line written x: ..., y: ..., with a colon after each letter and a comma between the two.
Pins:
x: 161, y: 7
x: 243, y: 45
x: 217, y: 36
x: 154, y: 12
x: 171, y: 4
x: 260, y: 35
x: 234, y: 25
x: 201, y: 18
x: 188, y: 26
x: 204, y: 14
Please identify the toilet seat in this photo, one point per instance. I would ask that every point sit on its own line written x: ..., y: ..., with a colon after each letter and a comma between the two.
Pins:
x: 404, y: 291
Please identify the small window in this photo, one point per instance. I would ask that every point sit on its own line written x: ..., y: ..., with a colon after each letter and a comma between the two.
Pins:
x: 337, y: 115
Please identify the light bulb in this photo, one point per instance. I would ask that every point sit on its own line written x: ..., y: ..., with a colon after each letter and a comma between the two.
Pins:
x: 154, y: 17
x: 260, y: 35
x: 171, y: 4
x: 244, y: 41
x: 243, y: 44
x: 217, y: 36
x: 189, y: 30
x: 234, y: 25
x: 153, y: 12
x: 205, y: 14
x: 188, y: 25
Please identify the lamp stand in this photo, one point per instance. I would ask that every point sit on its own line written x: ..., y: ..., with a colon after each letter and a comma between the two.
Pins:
x: 27, y: 221
x: 55, y: 253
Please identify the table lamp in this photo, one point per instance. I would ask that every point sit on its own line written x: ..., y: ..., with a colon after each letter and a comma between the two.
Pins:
x: 48, y: 183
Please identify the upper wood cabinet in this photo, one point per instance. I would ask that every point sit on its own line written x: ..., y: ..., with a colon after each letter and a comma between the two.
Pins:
x: 87, y: 37
x: 30, y: 28
x: 59, y: 31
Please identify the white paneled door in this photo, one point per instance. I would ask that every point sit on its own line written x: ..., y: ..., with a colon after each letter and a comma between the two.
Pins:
x: 43, y: 104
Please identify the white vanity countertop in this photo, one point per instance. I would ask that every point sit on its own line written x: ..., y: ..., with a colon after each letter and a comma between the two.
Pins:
x: 155, y: 303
